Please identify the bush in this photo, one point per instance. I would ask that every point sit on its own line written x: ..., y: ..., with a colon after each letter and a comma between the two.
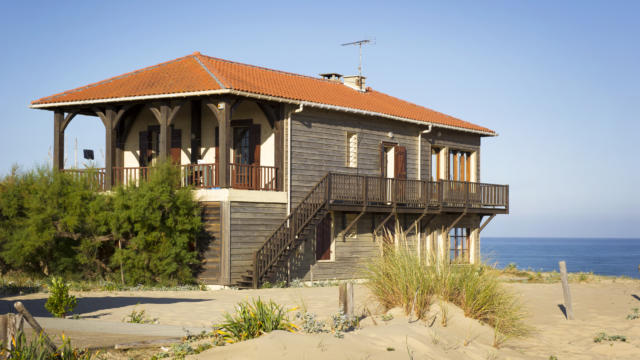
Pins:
x: 254, y: 318
x: 400, y: 278
x: 54, y: 223
x: 60, y: 302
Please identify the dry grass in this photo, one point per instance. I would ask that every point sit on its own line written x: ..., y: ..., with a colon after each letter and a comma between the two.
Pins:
x: 398, y: 276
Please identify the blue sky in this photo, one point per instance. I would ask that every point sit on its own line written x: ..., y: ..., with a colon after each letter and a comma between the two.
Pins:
x: 559, y: 81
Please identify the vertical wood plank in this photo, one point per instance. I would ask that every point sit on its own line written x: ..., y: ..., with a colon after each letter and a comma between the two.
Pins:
x: 565, y: 290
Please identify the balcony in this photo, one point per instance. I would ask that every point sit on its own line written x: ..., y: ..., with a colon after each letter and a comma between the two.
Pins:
x: 200, y: 176
x: 357, y: 192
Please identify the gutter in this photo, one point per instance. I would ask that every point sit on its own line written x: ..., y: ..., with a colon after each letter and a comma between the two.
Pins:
x: 261, y: 97
x: 428, y: 130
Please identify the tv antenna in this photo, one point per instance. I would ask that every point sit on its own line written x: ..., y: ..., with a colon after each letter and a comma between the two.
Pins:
x: 359, y: 43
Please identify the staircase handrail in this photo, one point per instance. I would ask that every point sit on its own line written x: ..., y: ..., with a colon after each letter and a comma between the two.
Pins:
x: 292, y: 225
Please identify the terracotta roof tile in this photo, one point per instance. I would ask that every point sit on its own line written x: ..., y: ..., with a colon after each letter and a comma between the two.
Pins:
x: 196, y: 72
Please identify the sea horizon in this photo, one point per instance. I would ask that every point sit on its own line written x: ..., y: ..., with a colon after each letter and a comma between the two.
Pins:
x: 611, y: 256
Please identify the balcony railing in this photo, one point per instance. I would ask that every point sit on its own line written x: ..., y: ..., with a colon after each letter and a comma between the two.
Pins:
x: 253, y: 177
x: 359, y: 190
x: 95, y: 177
x: 202, y: 176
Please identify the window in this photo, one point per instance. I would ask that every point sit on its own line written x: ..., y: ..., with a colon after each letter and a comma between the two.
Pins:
x: 459, y: 240
x: 352, y: 150
x: 241, y: 145
x: 436, y: 164
x: 459, y: 165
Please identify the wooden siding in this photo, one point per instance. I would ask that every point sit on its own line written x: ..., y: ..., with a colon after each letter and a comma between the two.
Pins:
x: 250, y: 224
x: 211, y: 236
x: 318, y: 145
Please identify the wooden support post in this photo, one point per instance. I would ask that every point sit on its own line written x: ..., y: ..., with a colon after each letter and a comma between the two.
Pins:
x: 58, y: 140
x: 346, y: 299
x: 34, y: 324
x: 565, y: 290
x: 164, y: 114
x: 110, y: 117
x: 222, y: 111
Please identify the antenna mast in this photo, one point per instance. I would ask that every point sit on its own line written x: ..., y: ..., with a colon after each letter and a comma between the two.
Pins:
x: 359, y: 43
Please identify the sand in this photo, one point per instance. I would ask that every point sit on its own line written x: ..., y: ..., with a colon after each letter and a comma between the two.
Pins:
x: 598, y: 307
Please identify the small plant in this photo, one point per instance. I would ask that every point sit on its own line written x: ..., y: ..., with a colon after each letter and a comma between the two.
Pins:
x: 60, y: 302
x: 553, y: 357
x: 139, y: 317
x: 270, y: 285
x: 444, y: 313
x: 254, y: 318
x: 387, y: 317
x: 610, y: 338
x: 342, y: 323
x: 635, y: 314
x: 310, y: 324
x: 512, y: 267
x: 390, y: 349
x: 37, y: 349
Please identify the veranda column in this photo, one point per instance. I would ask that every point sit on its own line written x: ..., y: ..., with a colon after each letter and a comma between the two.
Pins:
x: 164, y: 114
x: 110, y: 117
x: 443, y: 245
x: 222, y: 111
x: 58, y: 140
x: 474, y: 246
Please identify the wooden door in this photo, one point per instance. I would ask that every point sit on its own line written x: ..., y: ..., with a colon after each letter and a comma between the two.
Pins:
x: 176, y: 146
x: 323, y: 239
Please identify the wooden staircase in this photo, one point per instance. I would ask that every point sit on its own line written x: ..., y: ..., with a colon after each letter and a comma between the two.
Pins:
x: 271, y: 259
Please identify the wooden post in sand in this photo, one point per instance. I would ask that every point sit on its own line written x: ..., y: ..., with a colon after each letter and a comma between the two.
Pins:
x: 10, y: 327
x: 565, y: 290
x: 346, y: 299
x: 34, y: 324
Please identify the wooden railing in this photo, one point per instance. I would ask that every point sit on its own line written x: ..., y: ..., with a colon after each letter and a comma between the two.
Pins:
x: 360, y: 190
x: 204, y: 176
x: 127, y: 176
x: 286, y: 234
x: 95, y: 177
x: 372, y: 191
x: 253, y: 177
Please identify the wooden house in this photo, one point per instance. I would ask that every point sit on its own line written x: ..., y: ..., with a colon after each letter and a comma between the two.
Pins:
x: 297, y: 175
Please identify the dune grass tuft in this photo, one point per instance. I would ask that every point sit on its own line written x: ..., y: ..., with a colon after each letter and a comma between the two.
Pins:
x: 399, y: 278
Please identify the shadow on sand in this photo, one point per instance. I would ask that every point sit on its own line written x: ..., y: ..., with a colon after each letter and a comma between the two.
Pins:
x: 91, y: 304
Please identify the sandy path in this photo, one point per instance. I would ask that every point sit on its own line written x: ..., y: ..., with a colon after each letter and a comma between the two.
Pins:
x: 600, y: 307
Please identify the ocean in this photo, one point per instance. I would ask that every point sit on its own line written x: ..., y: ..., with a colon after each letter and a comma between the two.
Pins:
x: 601, y: 256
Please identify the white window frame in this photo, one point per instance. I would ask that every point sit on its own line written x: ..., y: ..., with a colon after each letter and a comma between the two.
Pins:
x: 352, y: 150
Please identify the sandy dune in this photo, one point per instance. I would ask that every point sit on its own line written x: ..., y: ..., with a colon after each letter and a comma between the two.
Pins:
x: 599, y: 307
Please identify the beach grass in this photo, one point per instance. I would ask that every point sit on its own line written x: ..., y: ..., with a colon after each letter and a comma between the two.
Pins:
x: 399, y: 278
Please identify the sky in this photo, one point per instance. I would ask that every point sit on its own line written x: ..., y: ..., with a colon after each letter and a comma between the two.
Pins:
x: 558, y: 81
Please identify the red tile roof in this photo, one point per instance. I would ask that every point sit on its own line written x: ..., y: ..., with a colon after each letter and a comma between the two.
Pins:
x: 197, y: 73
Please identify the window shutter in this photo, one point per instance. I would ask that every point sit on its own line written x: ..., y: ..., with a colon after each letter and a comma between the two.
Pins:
x: 400, y: 162
x: 217, y: 145
x: 143, y: 143
x: 382, y: 160
x: 254, y: 144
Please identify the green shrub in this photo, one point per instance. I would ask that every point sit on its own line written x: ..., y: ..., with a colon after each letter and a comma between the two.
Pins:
x: 400, y: 278
x: 159, y: 223
x: 139, y: 317
x: 609, y: 338
x: 254, y: 318
x: 36, y: 349
x: 54, y: 223
x: 60, y: 302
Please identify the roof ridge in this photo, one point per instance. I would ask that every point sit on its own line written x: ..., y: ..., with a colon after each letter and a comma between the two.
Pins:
x: 196, y: 55
x: 66, y: 92
x: 269, y: 69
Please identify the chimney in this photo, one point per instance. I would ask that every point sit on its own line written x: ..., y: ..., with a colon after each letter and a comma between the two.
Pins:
x: 332, y: 77
x: 355, y: 82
